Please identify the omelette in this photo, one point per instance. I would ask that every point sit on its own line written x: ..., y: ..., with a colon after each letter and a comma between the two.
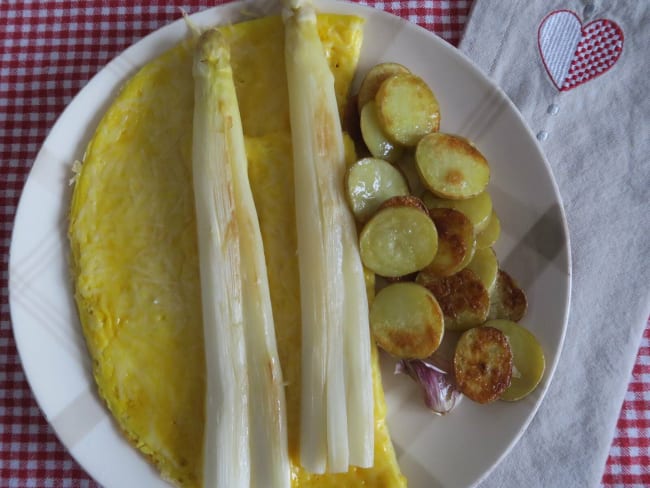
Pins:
x: 134, y: 254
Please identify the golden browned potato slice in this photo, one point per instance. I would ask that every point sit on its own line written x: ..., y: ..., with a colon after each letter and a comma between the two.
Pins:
x: 374, y: 136
x: 374, y: 78
x: 406, y: 321
x: 455, y: 241
x: 405, y: 201
x: 450, y: 166
x: 483, y: 364
x: 527, y: 357
x: 485, y: 265
x: 507, y: 300
x: 490, y: 234
x: 397, y: 241
x: 478, y: 209
x: 463, y: 298
x: 407, y: 109
x: 369, y: 183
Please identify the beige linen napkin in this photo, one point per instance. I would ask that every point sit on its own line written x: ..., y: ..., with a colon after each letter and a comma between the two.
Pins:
x: 578, y: 72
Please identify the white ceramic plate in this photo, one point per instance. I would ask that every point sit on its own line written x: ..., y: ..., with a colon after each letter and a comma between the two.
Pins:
x: 453, y: 451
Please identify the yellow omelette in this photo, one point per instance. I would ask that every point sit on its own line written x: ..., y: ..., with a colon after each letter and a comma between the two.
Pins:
x: 134, y: 251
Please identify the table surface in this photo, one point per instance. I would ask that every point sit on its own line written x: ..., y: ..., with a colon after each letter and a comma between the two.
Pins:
x: 49, y: 50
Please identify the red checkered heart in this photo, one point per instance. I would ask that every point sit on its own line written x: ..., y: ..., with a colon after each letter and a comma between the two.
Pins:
x: 574, y: 54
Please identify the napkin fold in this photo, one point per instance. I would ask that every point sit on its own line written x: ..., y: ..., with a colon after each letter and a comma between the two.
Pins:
x: 577, y: 71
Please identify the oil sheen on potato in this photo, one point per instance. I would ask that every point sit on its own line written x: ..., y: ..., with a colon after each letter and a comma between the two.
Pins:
x: 134, y: 252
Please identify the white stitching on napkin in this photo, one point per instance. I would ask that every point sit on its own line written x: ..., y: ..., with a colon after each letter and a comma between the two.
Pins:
x: 574, y: 53
x: 559, y: 35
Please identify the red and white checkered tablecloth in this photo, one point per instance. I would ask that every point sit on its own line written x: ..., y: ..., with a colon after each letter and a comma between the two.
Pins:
x: 49, y: 50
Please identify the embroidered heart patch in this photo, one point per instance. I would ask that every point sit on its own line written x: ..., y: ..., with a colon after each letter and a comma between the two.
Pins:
x: 574, y: 54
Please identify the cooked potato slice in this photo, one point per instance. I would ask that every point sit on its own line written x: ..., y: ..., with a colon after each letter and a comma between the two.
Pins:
x: 406, y: 321
x: 369, y: 183
x: 369, y: 278
x: 450, y: 166
x: 478, y: 209
x: 397, y: 241
x: 485, y: 265
x: 463, y: 298
x: 527, y: 357
x: 507, y: 300
x: 400, y: 279
x: 490, y: 234
x: 406, y: 164
x: 483, y: 364
x: 350, y: 150
x: 405, y: 201
x: 455, y: 241
x: 407, y: 109
x: 374, y: 78
x: 373, y: 135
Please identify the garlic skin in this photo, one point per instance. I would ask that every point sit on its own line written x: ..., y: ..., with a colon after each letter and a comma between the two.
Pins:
x: 438, y: 387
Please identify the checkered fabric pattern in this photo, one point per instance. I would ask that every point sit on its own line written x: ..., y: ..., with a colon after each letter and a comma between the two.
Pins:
x: 49, y: 50
x: 599, y: 48
x: 629, y: 457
